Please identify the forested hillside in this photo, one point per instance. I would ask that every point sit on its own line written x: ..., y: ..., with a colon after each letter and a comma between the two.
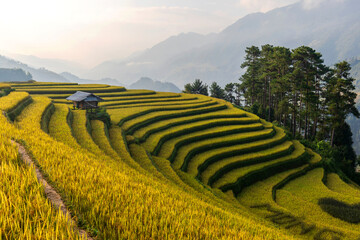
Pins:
x: 295, y: 89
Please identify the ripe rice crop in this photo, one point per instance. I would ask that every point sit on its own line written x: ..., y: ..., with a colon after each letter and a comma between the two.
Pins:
x: 148, y: 97
x: 98, y: 131
x: 165, y: 101
x: 149, y: 116
x: 99, y: 188
x: 334, y: 182
x: 170, y: 147
x: 81, y: 133
x: 117, y: 188
x: 59, y: 126
x: 132, y: 93
x: 11, y: 101
x: 261, y: 192
x: 25, y: 211
x: 233, y: 175
x: 40, y: 84
x: 208, y: 155
x: 117, y: 139
x: 153, y: 104
x: 145, y: 160
x: 301, y: 197
x: 158, y: 126
x: 4, y: 85
x: 69, y: 86
x: 154, y: 142
x: 70, y: 90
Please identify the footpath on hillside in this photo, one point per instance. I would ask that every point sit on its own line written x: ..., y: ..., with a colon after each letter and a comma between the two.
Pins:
x: 53, y: 196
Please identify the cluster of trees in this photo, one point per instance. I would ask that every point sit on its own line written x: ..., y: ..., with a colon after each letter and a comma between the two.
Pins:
x: 230, y: 93
x: 297, y: 90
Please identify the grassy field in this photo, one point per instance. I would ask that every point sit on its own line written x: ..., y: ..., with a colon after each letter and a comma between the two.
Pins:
x: 170, y: 166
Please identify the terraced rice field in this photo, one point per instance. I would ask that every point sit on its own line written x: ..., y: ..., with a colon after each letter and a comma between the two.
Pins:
x: 173, y: 166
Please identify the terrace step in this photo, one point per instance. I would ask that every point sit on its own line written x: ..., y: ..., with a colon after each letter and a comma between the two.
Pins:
x: 14, y: 103
x: 170, y: 148
x: 119, y: 144
x: 155, y: 141
x: 196, y: 161
x: 241, y: 177
x: 82, y: 132
x: 302, y: 195
x: 71, y: 90
x: 40, y: 109
x: 157, y: 104
x: 153, y: 115
x: 59, y: 126
x: 161, y: 125
x: 137, y: 102
x: 336, y: 184
x: 144, y: 159
x: 127, y: 93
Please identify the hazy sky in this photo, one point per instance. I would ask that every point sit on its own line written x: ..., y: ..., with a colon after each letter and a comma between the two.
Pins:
x: 91, y: 31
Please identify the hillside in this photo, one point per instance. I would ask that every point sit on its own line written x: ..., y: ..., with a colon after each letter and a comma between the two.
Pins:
x: 54, y: 65
x: 171, y: 166
x: 331, y: 28
x: 40, y: 74
x: 149, y: 84
x: 16, y: 75
x: 355, y: 72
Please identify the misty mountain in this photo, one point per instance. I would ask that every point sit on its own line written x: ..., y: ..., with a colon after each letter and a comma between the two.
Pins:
x: 355, y: 72
x: 351, y: 120
x: 354, y: 124
x: 75, y: 79
x: 148, y: 83
x: 55, y: 65
x: 14, y: 75
x: 333, y: 28
x: 150, y: 62
x: 40, y: 74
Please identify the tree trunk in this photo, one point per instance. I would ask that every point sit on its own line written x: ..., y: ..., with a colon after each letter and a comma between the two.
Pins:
x: 332, y: 137
x: 269, y: 117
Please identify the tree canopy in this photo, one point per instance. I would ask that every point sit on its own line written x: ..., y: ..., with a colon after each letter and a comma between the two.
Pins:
x: 197, y: 87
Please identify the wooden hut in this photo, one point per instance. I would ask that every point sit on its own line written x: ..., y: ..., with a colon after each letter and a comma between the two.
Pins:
x: 85, y: 100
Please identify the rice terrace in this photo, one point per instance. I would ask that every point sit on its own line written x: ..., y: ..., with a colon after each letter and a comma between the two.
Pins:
x: 167, y: 166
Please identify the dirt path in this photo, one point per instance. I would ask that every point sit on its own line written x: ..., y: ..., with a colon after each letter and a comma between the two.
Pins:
x: 50, y: 192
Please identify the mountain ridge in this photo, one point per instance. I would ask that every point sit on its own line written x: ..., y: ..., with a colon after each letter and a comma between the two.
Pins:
x: 217, y: 57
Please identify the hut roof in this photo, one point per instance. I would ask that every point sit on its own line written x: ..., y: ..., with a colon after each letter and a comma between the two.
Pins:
x: 84, y: 96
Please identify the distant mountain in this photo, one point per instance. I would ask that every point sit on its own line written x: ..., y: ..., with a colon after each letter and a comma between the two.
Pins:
x: 55, y: 65
x: 333, y: 28
x: 150, y: 62
x: 355, y: 129
x: 14, y: 75
x: 355, y: 72
x: 73, y: 78
x: 40, y: 74
x: 351, y: 120
x: 147, y: 83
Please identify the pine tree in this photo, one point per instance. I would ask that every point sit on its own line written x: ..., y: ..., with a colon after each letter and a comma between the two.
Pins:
x: 229, y: 92
x: 310, y: 67
x: 216, y: 91
x: 340, y: 97
x: 197, y: 87
x: 250, y: 79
